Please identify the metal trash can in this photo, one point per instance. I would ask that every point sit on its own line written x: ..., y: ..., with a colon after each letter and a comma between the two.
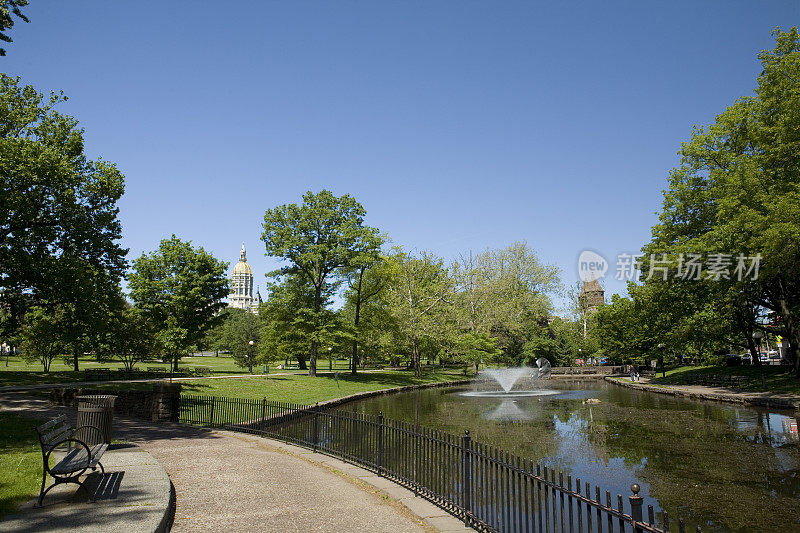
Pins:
x: 98, y: 411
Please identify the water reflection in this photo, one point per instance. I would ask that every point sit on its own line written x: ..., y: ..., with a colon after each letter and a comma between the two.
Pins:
x: 712, y: 463
x: 508, y: 411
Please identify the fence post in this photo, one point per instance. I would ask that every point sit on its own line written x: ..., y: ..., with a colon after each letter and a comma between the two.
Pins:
x: 636, y: 506
x: 380, y: 443
x: 467, y: 484
x: 211, y: 421
x: 315, y: 425
x: 263, y: 413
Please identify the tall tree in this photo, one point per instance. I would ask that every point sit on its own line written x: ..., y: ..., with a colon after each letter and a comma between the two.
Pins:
x: 366, y: 278
x: 130, y: 336
x: 417, y: 295
x: 241, y: 328
x: 41, y: 336
x: 59, y: 226
x: 180, y: 289
x: 737, y: 191
x: 8, y: 8
x: 504, y: 293
x: 318, y: 239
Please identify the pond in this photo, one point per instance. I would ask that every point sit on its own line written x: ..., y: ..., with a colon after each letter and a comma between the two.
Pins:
x: 722, y: 466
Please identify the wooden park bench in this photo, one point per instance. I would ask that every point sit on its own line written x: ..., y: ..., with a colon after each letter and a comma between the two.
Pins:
x: 75, y: 462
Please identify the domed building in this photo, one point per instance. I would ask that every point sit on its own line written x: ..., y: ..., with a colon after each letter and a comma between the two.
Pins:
x: 242, y: 296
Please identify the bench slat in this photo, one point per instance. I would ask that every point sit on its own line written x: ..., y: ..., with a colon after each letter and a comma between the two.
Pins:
x: 57, y: 436
x: 57, y: 420
x: 77, y: 460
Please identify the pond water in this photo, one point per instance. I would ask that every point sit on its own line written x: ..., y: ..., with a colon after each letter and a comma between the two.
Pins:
x: 724, y: 467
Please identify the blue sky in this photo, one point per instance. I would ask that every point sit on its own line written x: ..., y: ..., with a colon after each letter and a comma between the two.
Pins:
x: 458, y: 125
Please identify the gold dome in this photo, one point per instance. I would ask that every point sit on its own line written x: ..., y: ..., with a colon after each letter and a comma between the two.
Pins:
x: 242, y: 268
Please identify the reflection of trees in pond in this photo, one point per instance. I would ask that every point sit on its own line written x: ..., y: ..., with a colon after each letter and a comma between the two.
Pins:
x: 701, y: 461
x: 697, y: 455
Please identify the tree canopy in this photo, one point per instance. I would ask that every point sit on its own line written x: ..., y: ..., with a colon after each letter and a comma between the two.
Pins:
x: 318, y: 239
x: 180, y: 289
x: 59, y: 226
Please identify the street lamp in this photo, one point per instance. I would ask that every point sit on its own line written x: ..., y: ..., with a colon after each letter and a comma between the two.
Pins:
x: 757, y: 336
x: 330, y: 361
x: 250, y: 356
x: 661, y: 358
x: 4, y: 349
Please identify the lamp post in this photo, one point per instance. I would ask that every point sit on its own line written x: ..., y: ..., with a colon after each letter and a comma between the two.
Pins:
x: 661, y: 359
x: 250, y: 356
x: 757, y: 336
x: 579, y: 356
x: 330, y: 361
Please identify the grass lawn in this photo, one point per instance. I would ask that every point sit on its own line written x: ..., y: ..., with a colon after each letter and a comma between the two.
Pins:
x: 778, y: 379
x: 20, y: 461
x: 18, y: 372
x: 302, y: 389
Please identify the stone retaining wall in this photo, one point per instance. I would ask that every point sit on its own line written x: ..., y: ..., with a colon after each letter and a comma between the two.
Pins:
x: 757, y: 399
x: 160, y: 404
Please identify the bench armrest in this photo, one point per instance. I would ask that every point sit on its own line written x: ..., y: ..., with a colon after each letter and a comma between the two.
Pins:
x: 95, y: 428
x: 81, y: 469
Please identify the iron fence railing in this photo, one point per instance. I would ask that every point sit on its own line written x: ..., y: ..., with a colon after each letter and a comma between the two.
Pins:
x: 488, y: 488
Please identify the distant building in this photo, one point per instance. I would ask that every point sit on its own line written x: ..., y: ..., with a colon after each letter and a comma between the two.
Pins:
x: 242, y: 296
x: 591, y: 298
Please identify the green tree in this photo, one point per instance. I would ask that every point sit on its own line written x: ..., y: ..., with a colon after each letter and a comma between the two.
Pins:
x: 41, y: 336
x: 366, y: 279
x: 288, y: 321
x: 59, y: 227
x: 737, y: 191
x: 130, y: 338
x: 476, y: 348
x: 318, y: 239
x: 239, y: 330
x: 7, y: 8
x: 417, y: 295
x: 180, y: 289
x: 504, y: 293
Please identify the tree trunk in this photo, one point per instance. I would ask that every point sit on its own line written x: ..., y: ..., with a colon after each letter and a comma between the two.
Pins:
x: 751, y: 346
x: 354, y: 359
x: 175, y: 363
x: 415, y: 354
x: 312, y: 367
x: 792, y: 332
x: 74, y: 358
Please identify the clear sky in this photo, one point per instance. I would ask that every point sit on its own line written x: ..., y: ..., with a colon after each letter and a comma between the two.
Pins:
x: 458, y: 125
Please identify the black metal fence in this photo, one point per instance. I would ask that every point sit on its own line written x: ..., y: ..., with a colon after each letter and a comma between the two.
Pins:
x: 488, y: 488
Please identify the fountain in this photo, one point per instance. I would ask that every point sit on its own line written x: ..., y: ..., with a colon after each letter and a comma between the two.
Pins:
x: 508, y: 377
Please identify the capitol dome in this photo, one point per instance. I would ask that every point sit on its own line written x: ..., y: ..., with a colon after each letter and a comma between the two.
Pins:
x: 242, y: 268
x: 241, y: 296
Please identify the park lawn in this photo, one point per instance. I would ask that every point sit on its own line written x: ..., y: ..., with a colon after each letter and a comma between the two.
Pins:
x: 19, y: 372
x: 778, y: 379
x: 20, y: 461
x: 303, y: 389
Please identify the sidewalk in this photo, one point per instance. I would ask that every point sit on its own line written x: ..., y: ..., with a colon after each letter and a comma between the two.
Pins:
x: 723, y: 394
x: 232, y: 482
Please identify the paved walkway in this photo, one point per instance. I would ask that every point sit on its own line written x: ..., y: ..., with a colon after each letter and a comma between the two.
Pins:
x: 232, y: 482
x: 703, y: 392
